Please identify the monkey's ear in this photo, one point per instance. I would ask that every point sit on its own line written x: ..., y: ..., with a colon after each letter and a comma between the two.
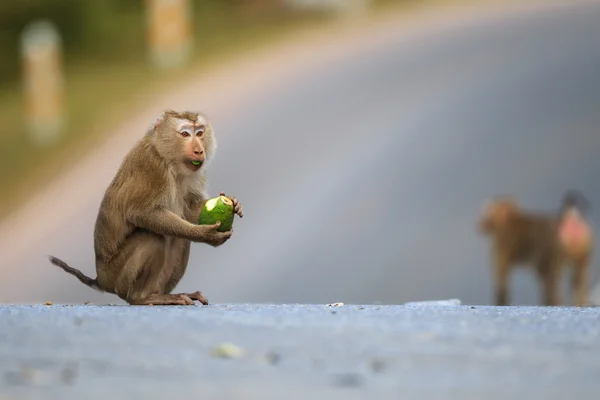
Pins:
x: 159, y: 120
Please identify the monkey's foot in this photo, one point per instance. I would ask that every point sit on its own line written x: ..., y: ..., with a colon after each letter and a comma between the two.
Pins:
x: 198, y: 296
x: 164, y: 300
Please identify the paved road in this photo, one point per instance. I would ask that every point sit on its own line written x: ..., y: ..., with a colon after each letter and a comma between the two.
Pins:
x: 299, y: 352
x: 362, y: 172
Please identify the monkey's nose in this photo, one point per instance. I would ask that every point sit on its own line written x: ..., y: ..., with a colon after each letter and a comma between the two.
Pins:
x: 198, y: 152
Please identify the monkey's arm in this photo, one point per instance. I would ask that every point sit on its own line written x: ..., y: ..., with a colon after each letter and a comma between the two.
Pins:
x: 149, y: 212
x: 165, y: 222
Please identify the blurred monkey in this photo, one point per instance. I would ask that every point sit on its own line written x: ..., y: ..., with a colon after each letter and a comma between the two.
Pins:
x: 543, y: 241
x: 521, y: 237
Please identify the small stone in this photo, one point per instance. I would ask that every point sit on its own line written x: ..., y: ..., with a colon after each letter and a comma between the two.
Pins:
x: 377, y: 365
x: 272, y: 358
x: 48, y: 303
x: 335, y: 304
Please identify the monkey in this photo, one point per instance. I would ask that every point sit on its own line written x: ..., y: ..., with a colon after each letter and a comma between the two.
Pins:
x: 577, y: 242
x: 520, y: 237
x: 148, y: 216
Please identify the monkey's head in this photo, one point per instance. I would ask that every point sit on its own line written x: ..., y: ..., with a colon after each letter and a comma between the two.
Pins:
x: 185, y: 139
x: 496, y: 214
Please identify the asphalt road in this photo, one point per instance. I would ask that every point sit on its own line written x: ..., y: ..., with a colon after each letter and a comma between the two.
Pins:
x: 362, y: 174
x: 299, y: 352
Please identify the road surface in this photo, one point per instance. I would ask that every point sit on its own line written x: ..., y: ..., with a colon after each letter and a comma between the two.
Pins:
x: 298, y: 352
x: 361, y: 162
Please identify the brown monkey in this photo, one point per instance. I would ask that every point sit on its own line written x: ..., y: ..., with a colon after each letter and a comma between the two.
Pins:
x: 577, y: 241
x: 522, y: 238
x: 148, y: 216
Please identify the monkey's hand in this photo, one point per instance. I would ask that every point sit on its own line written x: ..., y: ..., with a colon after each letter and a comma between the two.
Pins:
x: 211, y: 235
x: 237, y: 206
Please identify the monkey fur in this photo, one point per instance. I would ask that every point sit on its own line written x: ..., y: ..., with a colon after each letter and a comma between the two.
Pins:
x: 148, y: 216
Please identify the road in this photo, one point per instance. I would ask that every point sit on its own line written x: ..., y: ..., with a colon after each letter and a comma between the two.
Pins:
x: 361, y: 162
x: 299, y: 352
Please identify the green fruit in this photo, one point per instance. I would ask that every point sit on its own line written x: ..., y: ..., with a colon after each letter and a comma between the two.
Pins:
x: 218, y: 209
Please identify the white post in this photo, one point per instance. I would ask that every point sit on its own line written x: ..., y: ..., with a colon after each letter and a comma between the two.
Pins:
x: 43, y: 82
x: 169, y: 32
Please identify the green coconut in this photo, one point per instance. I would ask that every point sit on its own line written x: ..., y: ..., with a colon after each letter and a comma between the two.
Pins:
x: 218, y: 209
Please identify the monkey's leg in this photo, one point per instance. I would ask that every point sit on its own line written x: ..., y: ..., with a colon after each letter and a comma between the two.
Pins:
x: 162, y: 300
x: 142, y: 259
x: 579, y: 282
x: 549, y: 274
x: 501, y: 270
x: 179, y: 271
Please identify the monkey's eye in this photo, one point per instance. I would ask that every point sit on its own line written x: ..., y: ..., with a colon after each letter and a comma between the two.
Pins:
x: 185, y: 133
x: 200, y: 130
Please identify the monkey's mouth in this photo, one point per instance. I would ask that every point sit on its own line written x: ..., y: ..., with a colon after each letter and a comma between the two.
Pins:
x: 194, y: 165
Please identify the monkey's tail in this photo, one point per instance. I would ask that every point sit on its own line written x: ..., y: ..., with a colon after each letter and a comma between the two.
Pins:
x: 86, y: 280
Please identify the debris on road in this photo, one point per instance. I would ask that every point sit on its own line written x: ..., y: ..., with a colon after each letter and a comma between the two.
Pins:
x: 228, y: 350
x: 377, y: 365
x: 48, y: 303
x: 272, y: 358
x: 335, y: 304
x: 68, y: 374
x: 449, y: 302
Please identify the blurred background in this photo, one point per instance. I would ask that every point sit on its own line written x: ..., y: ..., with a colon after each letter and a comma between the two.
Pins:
x: 362, y: 137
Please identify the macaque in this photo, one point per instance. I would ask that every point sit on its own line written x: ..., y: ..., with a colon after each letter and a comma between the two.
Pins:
x: 148, y: 216
x: 542, y: 240
x: 577, y: 241
x: 521, y: 237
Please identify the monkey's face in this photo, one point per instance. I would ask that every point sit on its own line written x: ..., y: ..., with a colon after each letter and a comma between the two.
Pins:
x: 188, y: 138
x: 190, y: 135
